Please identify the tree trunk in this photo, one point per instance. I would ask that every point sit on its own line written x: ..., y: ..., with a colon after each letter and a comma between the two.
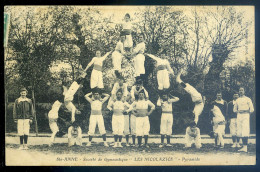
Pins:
x: 35, y: 119
x: 212, y: 81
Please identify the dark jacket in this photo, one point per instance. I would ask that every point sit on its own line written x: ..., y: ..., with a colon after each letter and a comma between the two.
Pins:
x: 222, y: 107
x: 230, y: 112
x: 23, y: 109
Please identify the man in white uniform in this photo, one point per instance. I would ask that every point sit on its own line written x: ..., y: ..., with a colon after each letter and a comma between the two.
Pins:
x: 219, y: 124
x: 127, y: 30
x: 243, y: 107
x: 233, y: 121
x: 135, y: 90
x: 119, y: 109
x: 140, y: 110
x: 69, y: 95
x: 192, y: 135
x: 163, y: 70
x: 74, y: 135
x: 167, y: 117
x: 118, y: 85
x: 118, y: 55
x: 23, y: 114
x: 195, y: 96
x: 96, y: 117
x: 53, y: 117
x: 96, y: 79
x: 139, y: 58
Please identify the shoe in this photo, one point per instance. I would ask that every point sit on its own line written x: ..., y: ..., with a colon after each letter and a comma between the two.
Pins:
x: 112, y: 144
x: 147, y: 146
x: 244, y: 149
x: 168, y: 145
x: 25, y: 147
x: 119, y: 145
x: 221, y: 147
x: 161, y: 145
x: 105, y: 144
x: 88, y: 144
x: 238, y: 145
x: 127, y: 145
x: 115, y: 145
x: 21, y: 147
x: 234, y: 145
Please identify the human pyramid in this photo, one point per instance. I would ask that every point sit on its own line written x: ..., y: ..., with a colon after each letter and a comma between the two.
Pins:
x: 130, y: 106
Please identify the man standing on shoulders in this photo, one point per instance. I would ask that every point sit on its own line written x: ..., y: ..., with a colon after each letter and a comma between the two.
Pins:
x: 243, y: 107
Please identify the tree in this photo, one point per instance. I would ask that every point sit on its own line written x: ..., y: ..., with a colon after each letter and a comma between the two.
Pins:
x: 226, y: 36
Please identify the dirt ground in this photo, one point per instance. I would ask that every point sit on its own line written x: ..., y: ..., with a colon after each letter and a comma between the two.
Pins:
x: 40, y: 153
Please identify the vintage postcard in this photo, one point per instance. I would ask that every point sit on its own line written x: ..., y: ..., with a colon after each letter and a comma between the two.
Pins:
x: 129, y: 85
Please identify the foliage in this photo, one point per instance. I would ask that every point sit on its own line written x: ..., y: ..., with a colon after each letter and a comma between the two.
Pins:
x: 43, y: 38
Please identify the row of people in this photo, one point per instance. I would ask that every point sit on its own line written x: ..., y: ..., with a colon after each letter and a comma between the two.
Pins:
x: 139, y: 103
x: 239, y: 110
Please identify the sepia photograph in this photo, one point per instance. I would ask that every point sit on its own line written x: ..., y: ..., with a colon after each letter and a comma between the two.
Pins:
x: 129, y: 85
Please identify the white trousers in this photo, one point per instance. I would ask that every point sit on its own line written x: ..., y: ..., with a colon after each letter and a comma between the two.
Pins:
x: 166, y: 124
x: 219, y: 129
x: 69, y: 95
x: 233, y: 126
x: 243, y: 125
x: 117, y: 60
x: 96, y: 79
x: 163, y: 79
x: 71, y: 107
x: 142, y: 126
x: 139, y: 64
x: 96, y: 120
x: 53, y: 126
x: 133, y: 124
x: 23, y: 127
x: 198, y: 108
x: 118, y: 124
x: 126, y: 125
x: 128, y: 41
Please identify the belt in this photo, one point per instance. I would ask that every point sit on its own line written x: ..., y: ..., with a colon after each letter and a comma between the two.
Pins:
x: 97, y: 67
x: 243, y: 111
x: 198, y: 102
x: 126, y: 32
x: 117, y: 112
x: 161, y: 67
x: 51, y: 120
x: 166, y: 111
x: 221, y: 123
x: 96, y: 112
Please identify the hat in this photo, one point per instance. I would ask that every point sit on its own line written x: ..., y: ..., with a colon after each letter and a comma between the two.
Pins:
x: 23, y: 89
